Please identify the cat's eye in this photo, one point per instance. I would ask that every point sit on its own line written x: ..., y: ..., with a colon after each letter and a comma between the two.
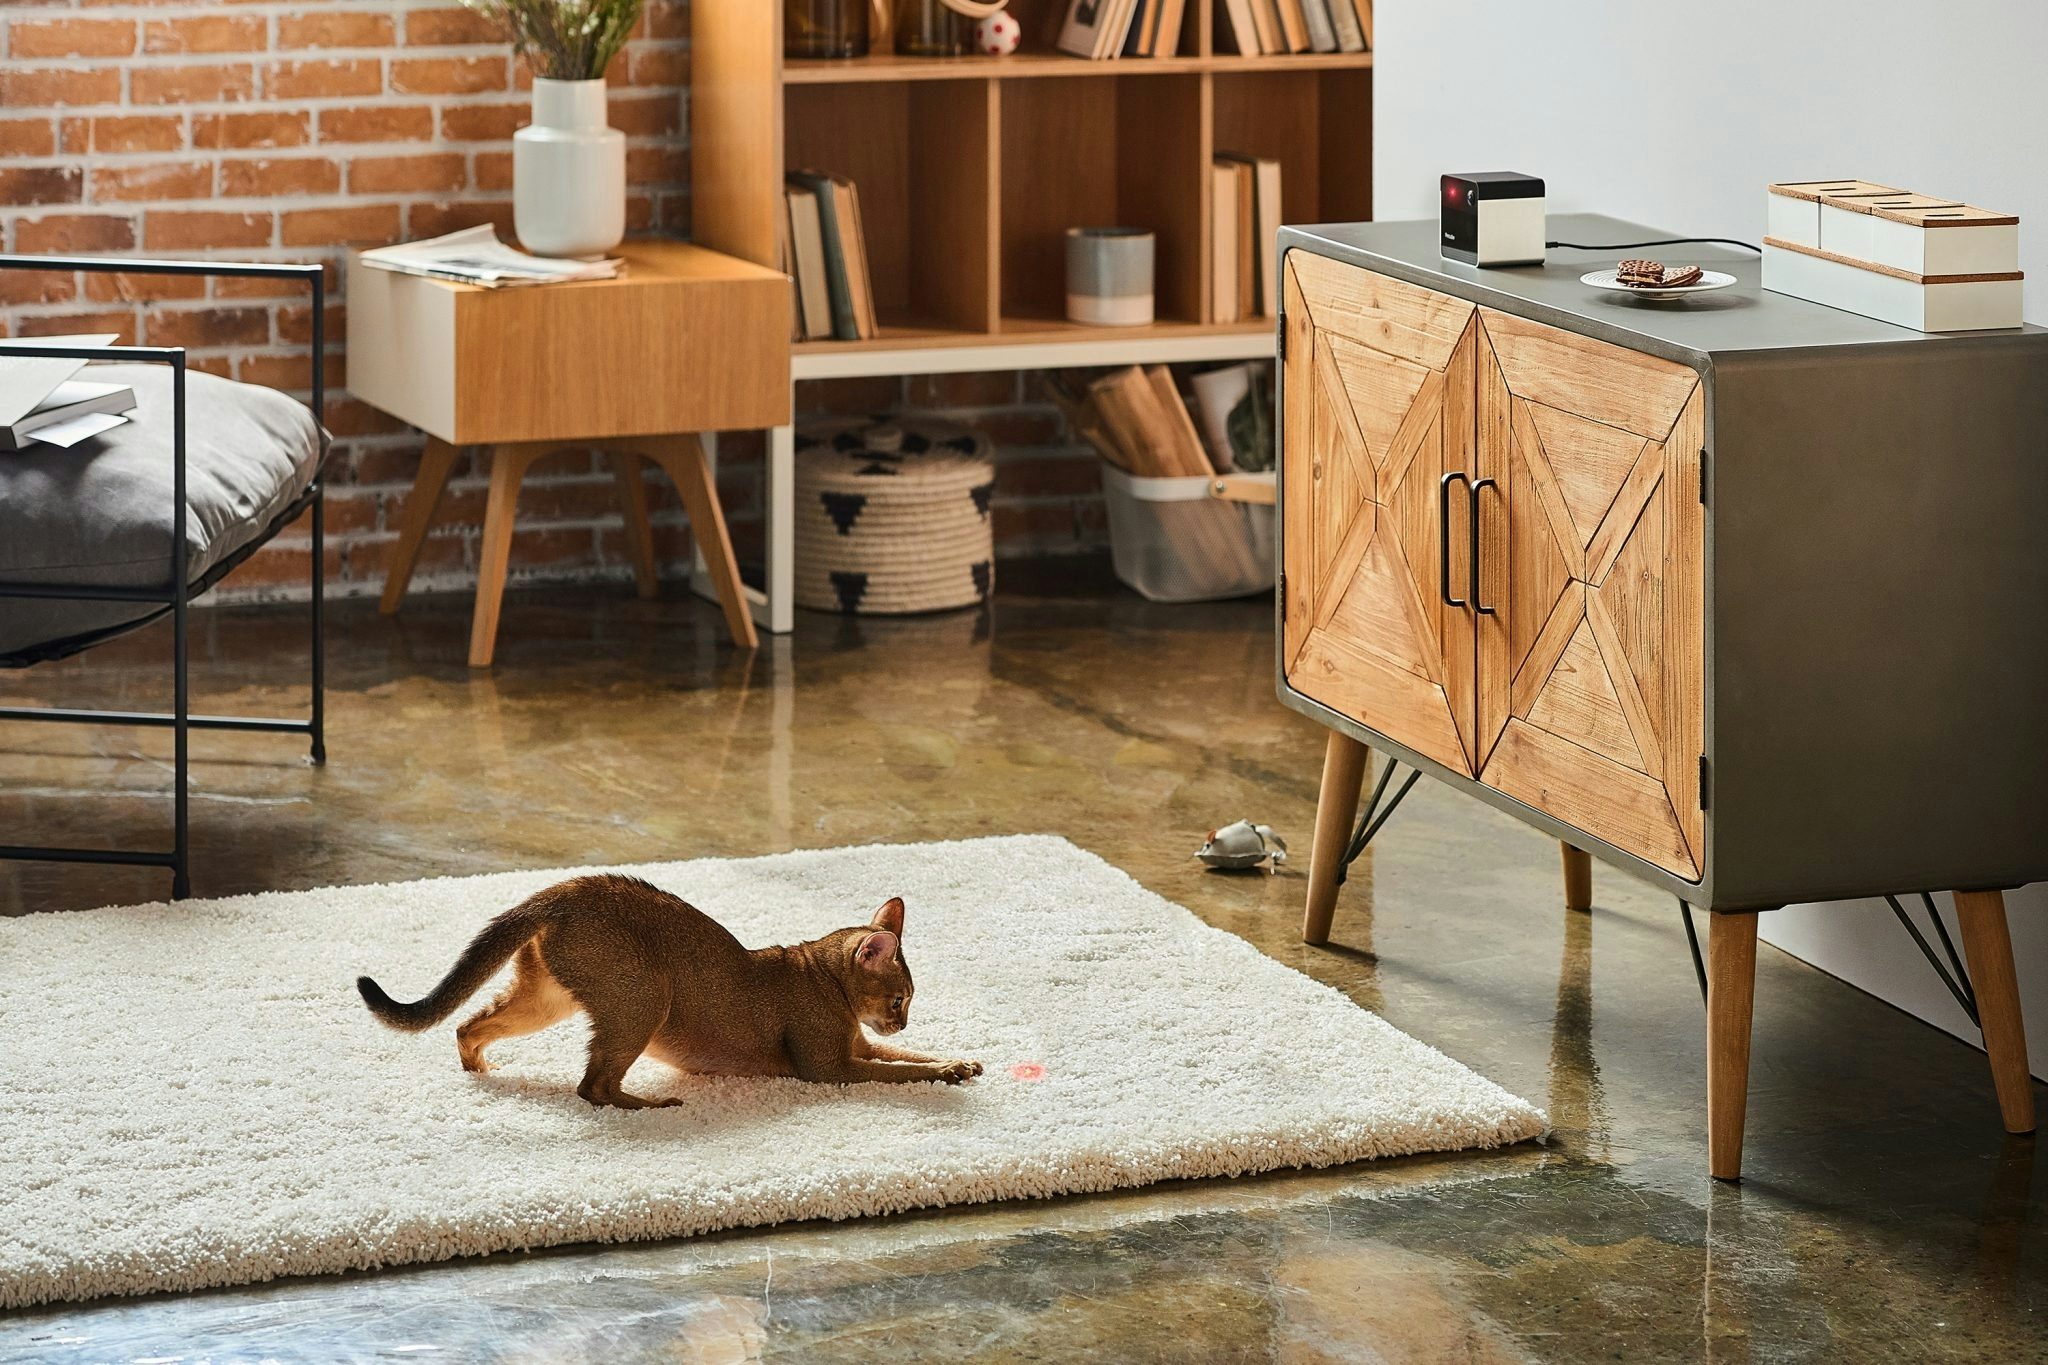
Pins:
x: 897, y: 1003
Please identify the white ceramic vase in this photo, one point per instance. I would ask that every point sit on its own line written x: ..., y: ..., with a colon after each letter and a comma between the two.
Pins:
x: 569, y: 173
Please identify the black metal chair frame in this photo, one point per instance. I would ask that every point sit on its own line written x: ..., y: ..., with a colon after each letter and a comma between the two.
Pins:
x: 177, y: 593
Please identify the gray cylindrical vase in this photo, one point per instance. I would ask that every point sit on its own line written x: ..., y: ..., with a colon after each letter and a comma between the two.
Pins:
x: 1109, y: 276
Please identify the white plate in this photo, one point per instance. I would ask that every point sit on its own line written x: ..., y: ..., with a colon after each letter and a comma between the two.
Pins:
x: 1709, y: 281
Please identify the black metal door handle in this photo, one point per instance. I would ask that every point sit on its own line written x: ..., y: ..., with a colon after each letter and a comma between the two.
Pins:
x: 1443, y: 535
x: 1483, y: 483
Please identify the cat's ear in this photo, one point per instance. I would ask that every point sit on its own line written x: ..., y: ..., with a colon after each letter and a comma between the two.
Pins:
x: 877, y: 951
x: 889, y: 917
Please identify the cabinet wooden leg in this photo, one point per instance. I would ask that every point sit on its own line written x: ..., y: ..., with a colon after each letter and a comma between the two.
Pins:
x: 1988, y: 948
x: 437, y: 462
x: 683, y: 457
x: 1578, y: 877
x: 639, y: 533
x: 1345, y: 763
x: 494, y: 553
x: 1731, y: 996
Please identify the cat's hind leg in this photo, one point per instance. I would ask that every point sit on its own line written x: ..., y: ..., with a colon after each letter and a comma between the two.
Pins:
x: 533, y: 1001
x: 620, y: 1031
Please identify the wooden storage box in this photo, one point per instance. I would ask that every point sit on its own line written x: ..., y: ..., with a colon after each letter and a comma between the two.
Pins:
x: 1913, y: 260
x: 1792, y: 211
x: 1925, y: 303
x: 1921, y: 234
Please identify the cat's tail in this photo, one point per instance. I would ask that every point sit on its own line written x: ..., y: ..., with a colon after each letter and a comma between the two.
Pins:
x: 479, y: 962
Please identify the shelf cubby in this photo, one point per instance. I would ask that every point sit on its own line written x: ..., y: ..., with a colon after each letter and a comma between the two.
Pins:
x: 971, y: 169
x: 1100, y: 153
x: 1309, y: 123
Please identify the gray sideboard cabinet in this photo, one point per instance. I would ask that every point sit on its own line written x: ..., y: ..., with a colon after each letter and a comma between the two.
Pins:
x: 1744, y: 595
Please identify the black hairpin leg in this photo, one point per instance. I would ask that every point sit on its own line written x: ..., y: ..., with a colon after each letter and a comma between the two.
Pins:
x: 1958, y: 984
x: 1692, y: 939
x: 1369, y: 823
x: 181, y: 691
x: 318, y: 723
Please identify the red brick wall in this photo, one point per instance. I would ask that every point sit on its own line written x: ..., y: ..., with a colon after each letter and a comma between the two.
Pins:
x: 267, y: 131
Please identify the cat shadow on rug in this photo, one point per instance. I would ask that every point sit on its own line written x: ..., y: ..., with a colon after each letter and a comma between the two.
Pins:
x: 659, y: 977
x: 713, y: 1108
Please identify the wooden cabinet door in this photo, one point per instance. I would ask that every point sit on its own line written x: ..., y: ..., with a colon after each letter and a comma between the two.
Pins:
x: 1379, y: 392
x: 1591, y: 663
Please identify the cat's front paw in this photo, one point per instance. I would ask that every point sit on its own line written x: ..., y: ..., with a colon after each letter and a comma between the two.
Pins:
x: 953, y: 1073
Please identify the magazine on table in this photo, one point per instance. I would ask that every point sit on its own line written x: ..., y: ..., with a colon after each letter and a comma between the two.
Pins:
x: 476, y: 256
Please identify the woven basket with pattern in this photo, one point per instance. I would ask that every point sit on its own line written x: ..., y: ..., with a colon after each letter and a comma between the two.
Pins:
x: 892, y: 516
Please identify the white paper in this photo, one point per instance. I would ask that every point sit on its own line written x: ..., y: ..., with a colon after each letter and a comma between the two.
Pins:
x: 70, y: 432
x: 476, y: 256
x: 26, y: 381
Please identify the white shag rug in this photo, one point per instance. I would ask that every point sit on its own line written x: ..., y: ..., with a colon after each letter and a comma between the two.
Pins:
x: 193, y: 1095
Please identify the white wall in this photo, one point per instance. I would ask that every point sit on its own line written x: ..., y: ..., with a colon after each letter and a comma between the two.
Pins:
x: 1678, y: 117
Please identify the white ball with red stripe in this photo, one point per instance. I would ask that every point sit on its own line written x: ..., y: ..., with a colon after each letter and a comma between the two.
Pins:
x: 999, y: 34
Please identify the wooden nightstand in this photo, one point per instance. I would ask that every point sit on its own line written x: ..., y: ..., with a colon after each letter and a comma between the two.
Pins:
x: 684, y: 341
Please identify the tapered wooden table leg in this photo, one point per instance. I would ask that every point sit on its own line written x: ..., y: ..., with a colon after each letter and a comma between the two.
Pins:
x: 437, y: 462
x: 1731, y: 998
x: 639, y: 532
x: 1578, y: 878
x: 683, y: 458
x: 494, y: 553
x: 1988, y: 947
x: 1345, y: 762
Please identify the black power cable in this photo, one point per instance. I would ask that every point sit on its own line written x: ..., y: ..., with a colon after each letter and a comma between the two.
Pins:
x: 1661, y: 241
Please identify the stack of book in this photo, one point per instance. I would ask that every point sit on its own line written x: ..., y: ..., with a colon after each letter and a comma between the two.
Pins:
x: 42, y: 402
x: 1244, y: 268
x: 1278, y: 27
x: 1122, y: 28
x: 827, y: 256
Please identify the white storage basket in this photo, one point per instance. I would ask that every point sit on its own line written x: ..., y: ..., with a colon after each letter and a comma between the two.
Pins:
x: 1191, y: 539
x: 892, y: 516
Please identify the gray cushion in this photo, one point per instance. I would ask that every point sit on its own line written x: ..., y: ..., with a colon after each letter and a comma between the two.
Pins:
x: 100, y: 513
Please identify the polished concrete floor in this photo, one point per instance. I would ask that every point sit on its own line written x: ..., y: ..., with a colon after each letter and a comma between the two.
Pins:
x: 1884, y: 1216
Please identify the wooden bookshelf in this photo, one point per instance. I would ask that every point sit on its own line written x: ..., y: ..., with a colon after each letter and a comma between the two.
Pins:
x: 971, y: 169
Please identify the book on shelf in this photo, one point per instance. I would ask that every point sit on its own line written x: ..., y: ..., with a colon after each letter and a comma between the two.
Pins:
x: 848, y: 293
x: 1133, y: 44
x: 1166, y: 34
x: 1243, y: 32
x: 1266, y: 23
x: 1095, y: 28
x: 1103, y: 29
x: 1264, y: 173
x: 1223, y: 255
x: 1345, y: 18
x: 1322, y: 30
x: 858, y: 283
x: 1293, y: 26
x: 1364, y: 8
x: 807, y: 264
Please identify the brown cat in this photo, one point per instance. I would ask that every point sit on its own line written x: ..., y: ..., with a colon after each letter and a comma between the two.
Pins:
x: 658, y: 976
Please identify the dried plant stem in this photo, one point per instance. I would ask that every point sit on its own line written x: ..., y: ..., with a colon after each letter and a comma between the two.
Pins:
x: 564, y: 40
